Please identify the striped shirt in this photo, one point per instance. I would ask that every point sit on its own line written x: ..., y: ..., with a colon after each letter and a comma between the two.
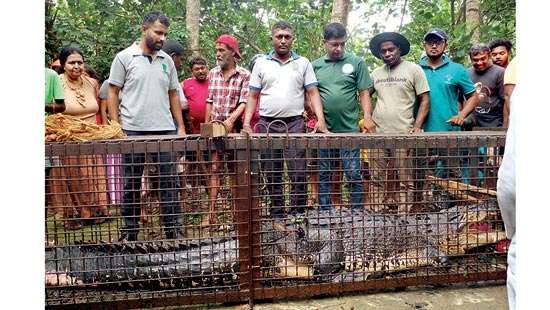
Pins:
x: 225, y: 96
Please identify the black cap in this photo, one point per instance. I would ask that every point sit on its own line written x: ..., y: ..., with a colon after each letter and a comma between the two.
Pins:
x: 440, y: 33
x: 172, y: 47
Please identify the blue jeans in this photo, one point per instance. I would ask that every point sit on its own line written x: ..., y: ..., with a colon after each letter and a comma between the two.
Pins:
x: 351, y: 165
x: 170, y: 209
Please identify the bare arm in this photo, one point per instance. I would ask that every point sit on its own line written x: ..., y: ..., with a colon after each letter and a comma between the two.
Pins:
x: 471, y: 103
x: 103, y: 111
x: 175, y: 108
x: 508, y: 89
x: 113, y: 102
x: 423, y: 109
x: 315, y: 99
x: 207, y: 112
x: 366, y: 105
x: 249, y: 109
x: 235, y: 115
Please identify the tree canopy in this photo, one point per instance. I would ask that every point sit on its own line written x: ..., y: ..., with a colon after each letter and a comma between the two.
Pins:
x: 104, y: 27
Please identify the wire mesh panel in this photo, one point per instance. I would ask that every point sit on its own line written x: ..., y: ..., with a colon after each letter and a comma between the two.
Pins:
x: 380, y: 212
x: 146, y: 221
x: 164, y: 220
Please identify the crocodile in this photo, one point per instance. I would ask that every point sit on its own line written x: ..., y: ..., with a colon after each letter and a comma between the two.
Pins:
x: 320, y: 246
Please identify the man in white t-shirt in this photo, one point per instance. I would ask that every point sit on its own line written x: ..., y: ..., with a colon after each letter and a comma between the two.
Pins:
x: 280, y: 81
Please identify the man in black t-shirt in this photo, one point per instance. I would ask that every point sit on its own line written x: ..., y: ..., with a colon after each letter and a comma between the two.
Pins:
x: 488, y: 79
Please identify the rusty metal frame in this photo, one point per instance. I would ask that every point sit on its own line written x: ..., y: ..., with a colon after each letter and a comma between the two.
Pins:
x: 248, y: 217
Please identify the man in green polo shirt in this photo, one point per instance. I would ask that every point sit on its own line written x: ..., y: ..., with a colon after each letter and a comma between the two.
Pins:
x: 344, y: 83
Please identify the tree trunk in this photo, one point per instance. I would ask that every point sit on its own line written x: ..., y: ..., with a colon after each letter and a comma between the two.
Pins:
x: 453, y: 19
x: 340, y: 9
x: 192, y: 22
x: 403, y: 11
x: 473, y: 18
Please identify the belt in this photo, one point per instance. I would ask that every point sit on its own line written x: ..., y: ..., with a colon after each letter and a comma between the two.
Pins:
x: 284, y: 119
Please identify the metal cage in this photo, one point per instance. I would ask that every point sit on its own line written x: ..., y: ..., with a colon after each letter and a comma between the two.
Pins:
x: 167, y: 220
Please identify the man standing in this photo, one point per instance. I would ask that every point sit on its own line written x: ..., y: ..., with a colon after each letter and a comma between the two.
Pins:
x: 448, y: 81
x: 398, y: 84
x: 280, y: 80
x: 501, y: 52
x: 175, y: 50
x: 227, y: 95
x: 488, y: 80
x: 195, y: 89
x: 147, y: 78
x: 344, y: 83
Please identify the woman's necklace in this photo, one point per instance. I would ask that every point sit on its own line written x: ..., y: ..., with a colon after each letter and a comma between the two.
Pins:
x: 77, y: 88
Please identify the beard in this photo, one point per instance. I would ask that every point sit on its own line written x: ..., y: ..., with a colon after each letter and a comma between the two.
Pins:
x: 150, y: 43
x: 435, y: 57
x: 223, y: 63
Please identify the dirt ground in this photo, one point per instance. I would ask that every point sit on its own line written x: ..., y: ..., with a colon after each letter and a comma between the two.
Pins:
x: 457, y: 297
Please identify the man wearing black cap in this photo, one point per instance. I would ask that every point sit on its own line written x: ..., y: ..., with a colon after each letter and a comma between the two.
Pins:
x: 447, y: 80
x: 398, y: 84
x: 175, y: 50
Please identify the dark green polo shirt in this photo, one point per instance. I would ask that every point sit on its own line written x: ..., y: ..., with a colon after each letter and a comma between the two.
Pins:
x: 339, y: 84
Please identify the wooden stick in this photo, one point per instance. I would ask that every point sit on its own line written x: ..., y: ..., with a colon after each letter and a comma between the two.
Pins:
x: 453, y: 185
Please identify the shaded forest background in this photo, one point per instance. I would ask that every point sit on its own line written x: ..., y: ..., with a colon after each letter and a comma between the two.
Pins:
x: 104, y: 27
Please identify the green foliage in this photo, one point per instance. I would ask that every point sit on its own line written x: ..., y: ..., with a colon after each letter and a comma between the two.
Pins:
x: 250, y: 22
x: 498, y: 21
x: 104, y: 27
